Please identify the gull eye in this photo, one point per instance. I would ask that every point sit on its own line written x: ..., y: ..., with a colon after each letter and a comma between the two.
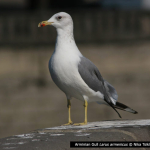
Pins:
x: 59, y: 17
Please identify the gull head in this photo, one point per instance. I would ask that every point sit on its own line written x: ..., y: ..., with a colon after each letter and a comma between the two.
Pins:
x: 60, y: 20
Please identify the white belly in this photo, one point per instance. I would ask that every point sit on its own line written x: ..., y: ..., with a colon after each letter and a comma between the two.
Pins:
x: 64, y: 73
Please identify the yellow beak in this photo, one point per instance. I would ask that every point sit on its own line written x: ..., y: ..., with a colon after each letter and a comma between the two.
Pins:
x: 44, y: 23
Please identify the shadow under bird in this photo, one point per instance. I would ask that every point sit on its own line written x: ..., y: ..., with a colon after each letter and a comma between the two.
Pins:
x: 76, y: 75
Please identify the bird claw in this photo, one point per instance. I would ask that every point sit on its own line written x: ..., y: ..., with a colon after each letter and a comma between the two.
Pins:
x: 67, y: 124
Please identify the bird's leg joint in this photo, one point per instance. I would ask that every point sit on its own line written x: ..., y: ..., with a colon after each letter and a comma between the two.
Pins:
x: 85, y: 103
x: 68, y: 103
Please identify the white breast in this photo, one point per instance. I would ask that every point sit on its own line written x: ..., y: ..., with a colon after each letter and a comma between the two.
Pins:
x: 64, y: 72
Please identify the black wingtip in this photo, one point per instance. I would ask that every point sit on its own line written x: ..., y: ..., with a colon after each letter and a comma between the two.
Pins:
x: 119, y: 115
x: 111, y: 105
x: 135, y: 112
x: 116, y: 111
x: 124, y: 108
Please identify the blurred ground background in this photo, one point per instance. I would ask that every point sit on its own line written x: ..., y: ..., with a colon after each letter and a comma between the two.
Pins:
x: 114, y: 35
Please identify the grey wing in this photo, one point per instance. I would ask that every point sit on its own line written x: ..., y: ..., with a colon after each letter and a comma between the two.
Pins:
x: 92, y: 77
x: 111, y: 90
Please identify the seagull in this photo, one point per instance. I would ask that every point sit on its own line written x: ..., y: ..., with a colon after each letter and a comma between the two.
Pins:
x: 75, y: 74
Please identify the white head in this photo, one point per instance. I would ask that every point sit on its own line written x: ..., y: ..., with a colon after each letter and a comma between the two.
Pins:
x: 61, y: 21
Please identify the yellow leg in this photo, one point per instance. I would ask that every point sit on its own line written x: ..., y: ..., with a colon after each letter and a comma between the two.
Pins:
x: 85, y: 121
x: 69, y: 117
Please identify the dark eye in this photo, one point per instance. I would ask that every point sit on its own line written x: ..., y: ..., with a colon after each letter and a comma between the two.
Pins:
x: 59, y: 17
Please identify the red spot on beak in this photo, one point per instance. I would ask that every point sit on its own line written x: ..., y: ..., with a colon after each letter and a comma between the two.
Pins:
x: 42, y: 24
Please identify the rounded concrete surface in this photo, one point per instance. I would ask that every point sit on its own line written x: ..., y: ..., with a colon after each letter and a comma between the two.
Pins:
x: 58, y: 138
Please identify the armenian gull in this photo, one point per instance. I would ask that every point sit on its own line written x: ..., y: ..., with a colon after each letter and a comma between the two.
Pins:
x: 76, y: 75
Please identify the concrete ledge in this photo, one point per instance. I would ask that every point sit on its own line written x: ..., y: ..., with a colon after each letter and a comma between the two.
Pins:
x: 58, y: 138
